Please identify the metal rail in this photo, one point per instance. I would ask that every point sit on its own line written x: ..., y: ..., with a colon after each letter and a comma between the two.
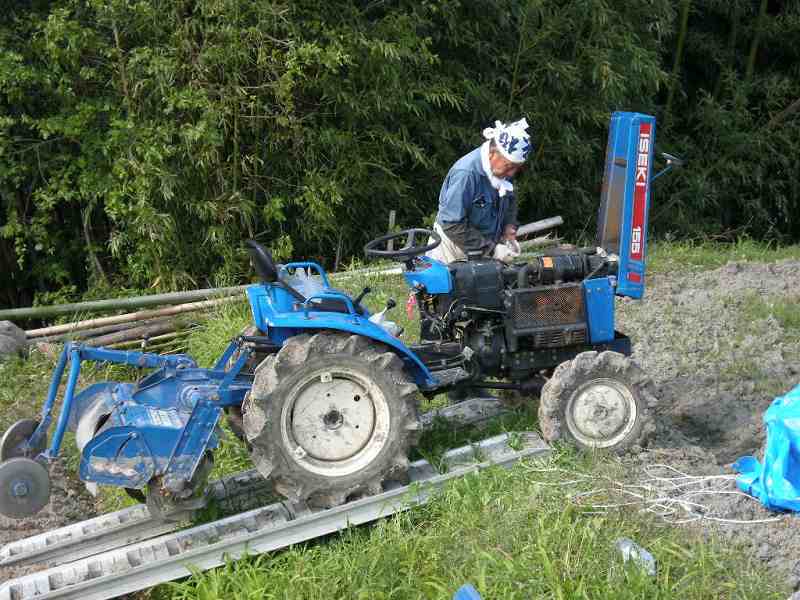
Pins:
x: 235, y: 493
x: 240, y: 491
x: 147, y: 563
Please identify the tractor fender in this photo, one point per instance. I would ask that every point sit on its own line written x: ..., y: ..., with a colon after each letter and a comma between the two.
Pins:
x: 274, y: 312
x: 421, y: 374
x: 90, y: 408
x: 89, y: 421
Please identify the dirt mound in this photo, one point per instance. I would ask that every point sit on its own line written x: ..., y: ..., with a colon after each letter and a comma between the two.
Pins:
x: 720, y: 346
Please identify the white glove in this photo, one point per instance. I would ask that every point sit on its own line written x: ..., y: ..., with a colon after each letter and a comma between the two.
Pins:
x: 507, y: 251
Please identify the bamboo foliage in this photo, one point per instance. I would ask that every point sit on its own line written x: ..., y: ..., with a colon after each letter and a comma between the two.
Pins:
x: 676, y: 65
x: 759, y: 28
x: 143, y: 140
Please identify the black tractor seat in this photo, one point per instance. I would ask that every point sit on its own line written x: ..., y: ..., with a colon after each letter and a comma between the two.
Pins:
x: 336, y: 306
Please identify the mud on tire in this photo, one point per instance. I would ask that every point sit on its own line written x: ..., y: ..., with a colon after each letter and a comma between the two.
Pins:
x: 598, y: 401
x: 330, y: 417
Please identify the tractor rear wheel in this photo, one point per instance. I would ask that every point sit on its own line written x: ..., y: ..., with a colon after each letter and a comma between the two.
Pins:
x: 598, y: 401
x: 330, y: 417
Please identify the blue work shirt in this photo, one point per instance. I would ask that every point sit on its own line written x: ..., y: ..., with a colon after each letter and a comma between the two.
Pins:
x: 468, y: 194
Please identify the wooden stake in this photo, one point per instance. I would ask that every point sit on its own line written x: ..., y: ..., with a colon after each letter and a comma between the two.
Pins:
x: 83, y: 334
x: 392, y: 216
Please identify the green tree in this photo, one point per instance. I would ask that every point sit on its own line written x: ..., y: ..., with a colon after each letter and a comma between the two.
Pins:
x: 142, y: 140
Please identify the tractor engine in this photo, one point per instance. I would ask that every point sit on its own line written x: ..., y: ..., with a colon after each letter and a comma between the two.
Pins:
x: 505, y: 313
x: 513, y: 321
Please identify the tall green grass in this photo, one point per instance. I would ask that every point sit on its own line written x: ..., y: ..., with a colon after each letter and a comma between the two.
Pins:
x: 512, y: 534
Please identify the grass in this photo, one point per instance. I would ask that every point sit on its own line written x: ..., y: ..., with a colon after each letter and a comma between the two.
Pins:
x: 784, y: 309
x: 511, y: 533
x: 668, y: 256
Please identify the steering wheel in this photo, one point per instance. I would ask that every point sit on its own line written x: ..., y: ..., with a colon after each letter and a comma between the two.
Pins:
x: 409, y: 250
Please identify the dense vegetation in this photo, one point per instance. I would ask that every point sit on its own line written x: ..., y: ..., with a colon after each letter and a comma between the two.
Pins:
x: 141, y: 140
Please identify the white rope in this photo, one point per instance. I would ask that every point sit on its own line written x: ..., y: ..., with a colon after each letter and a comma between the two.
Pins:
x: 666, y: 492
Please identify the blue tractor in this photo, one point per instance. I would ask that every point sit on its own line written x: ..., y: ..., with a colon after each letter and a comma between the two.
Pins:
x: 325, y: 394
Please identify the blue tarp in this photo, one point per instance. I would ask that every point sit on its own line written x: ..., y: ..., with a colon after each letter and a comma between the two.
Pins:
x: 776, y: 483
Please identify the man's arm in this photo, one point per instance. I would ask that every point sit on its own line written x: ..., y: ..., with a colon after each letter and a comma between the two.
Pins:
x: 458, y: 194
x: 467, y: 238
x: 510, y: 223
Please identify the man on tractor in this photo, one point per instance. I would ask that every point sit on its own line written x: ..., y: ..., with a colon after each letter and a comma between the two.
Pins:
x: 477, y: 206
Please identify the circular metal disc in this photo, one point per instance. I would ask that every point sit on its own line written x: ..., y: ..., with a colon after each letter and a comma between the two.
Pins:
x: 24, y: 487
x: 601, y: 413
x: 333, y: 421
x: 15, y: 436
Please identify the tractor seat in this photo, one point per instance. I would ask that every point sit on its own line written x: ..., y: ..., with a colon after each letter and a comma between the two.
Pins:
x: 336, y: 306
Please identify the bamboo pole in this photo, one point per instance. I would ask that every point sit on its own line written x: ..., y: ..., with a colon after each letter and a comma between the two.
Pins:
x: 138, y: 332
x: 96, y: 331
x: 128, y: 317
x: 392, y: 216
x: 676, y: 65
x: 731, y: 56
x: 37, y: 312
x: 751, y: 59
x: 157, y: 339
x: 538, y: 226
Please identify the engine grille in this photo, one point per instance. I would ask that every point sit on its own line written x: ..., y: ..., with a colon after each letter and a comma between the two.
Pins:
x: 547, y: 306
x: 557, y: 338
x: 550, y: 317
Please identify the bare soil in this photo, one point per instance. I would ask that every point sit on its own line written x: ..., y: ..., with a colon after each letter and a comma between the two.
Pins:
x: 718, y: 363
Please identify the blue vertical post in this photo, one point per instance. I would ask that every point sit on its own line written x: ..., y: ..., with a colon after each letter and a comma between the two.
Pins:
x: 66, y: 406
x: 47, y: 409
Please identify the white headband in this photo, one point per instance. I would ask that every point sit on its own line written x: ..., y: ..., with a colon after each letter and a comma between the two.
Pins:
x: 512, y: 140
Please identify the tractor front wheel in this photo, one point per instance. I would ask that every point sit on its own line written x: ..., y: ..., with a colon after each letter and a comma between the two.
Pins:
x: 330, y: 417
x: 598, y: 401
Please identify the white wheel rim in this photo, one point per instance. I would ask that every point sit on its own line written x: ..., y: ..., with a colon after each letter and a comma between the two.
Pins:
x: 601, y: 413
x: 335, y: 423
